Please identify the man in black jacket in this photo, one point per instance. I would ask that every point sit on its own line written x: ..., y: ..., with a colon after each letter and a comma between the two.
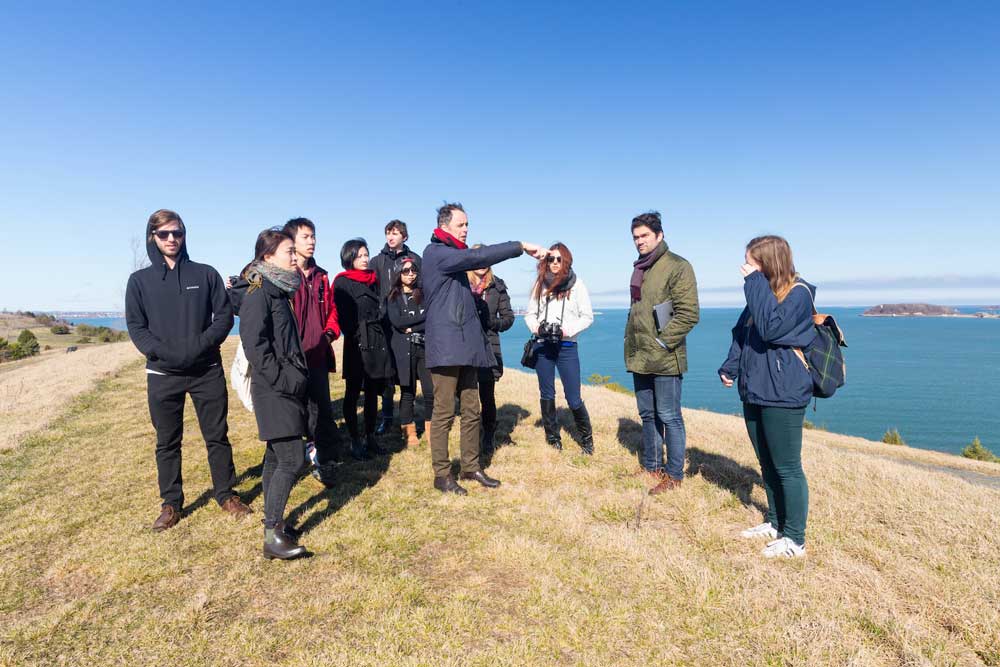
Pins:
x: 178, y: 314
x: 387, y: 265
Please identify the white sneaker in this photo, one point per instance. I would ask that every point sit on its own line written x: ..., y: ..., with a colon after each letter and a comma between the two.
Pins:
x: 784, y: 547
x: 763, y: 530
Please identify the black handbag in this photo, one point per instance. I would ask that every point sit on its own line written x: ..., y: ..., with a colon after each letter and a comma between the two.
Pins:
x: 530, y: 355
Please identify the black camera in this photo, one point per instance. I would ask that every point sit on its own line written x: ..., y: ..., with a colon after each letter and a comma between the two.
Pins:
x: 550, y: 332
x: 417, y: 338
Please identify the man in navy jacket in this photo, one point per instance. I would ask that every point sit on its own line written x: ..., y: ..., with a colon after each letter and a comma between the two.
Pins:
x: 456, y: 345
x: 178, y: 314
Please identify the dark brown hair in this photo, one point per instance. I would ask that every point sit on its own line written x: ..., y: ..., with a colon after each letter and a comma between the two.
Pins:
x: 162, y: 217
x: 539, y: 290
x: 397, y: 283
x: 444, y: 213
x: 267, y: 244
x: 397, y: 225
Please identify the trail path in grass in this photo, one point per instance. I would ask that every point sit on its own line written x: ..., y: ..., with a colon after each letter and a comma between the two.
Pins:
x: 568, y: 563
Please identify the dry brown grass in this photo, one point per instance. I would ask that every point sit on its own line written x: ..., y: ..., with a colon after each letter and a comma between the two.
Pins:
x: 31, y: 394
x: 569, y: 563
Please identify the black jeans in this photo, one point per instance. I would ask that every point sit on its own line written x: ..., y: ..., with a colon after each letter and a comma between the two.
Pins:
x: 211, y: 404
x: 487, y: 398
x: 322, y: 428
x: 388, y: 395
x: 282, y: 461
x: 373, y: 388
x: 409, y: 393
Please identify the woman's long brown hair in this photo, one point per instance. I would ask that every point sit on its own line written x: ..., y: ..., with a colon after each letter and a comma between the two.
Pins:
x: 487, y: 278
x: 774, y: 256
x: 538, y: 291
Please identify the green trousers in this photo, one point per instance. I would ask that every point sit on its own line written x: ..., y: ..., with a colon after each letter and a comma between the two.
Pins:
x: 776, y: 434
x: 450, y: 381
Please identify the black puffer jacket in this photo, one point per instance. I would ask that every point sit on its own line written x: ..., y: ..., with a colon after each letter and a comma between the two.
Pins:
x: 359, y: 312
x: 497, y: 316
x: 270, y: 339
x: 405, y: 313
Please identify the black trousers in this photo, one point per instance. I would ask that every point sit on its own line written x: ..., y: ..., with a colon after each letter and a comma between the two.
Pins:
x: 408, y: 394
x: 373, y: 388
x: 487, y: 398
x: 388, y: 395
x: 322, y: 428
x: 211, y: 404
x: 283, y: 460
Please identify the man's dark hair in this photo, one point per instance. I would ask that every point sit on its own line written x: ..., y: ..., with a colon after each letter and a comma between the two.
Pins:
x: 350, y: 251
x: 399, y: 226
x: 292, y: 226
x: 444, y: 213
x: 162, y: 217
x: 649, y: 219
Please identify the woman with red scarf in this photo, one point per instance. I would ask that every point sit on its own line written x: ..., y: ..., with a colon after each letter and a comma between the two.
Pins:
x: 367, y: 360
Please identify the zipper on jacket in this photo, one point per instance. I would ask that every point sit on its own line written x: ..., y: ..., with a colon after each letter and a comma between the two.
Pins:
x: 778, y: 359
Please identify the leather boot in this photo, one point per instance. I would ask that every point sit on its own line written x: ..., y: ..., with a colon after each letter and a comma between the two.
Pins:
x: 290, y: 531
x: 550, y: 424
x: 279, y: 545
x: 169, y: 516
x: 482, y: 478
x: 447, y: 484
x: 410, y: 433
x: 584, y: 429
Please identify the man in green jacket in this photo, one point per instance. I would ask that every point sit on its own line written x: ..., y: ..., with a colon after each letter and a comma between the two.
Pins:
x: 664, y: 309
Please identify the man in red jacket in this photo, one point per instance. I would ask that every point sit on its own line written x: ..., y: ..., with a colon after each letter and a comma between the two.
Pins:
x: 316, y: 315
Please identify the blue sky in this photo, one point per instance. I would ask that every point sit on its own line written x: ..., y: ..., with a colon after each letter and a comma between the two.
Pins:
x: 865, y: 134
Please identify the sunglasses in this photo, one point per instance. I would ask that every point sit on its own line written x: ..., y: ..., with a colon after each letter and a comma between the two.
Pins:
x: 553, y: 260
x: 164, y: 234
x: 408, y: 271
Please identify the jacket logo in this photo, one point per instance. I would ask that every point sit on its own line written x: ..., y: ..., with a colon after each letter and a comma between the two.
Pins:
x: 192, y: 287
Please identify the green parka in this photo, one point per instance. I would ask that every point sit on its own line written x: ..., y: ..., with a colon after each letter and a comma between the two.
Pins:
x: 670, y: 278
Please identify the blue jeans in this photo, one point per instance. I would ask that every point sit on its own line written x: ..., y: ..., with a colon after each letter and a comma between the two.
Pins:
x: 565, y: 358
x: 659, y: 400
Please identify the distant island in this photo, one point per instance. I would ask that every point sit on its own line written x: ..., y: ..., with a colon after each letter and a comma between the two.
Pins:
x: 922, y: 310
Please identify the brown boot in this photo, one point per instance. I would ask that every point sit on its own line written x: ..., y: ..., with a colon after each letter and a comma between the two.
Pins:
x: 410, y: 431
x: 169, y: 516
x: 666, y: 484
x: 236, y: 507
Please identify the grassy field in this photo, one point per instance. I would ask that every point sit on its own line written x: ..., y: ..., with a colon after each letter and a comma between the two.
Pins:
x: 568, y: 563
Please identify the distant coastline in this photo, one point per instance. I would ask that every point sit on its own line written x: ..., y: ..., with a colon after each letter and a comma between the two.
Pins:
x: 927, y: 310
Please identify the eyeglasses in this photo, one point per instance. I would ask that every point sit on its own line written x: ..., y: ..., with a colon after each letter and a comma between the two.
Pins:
x: 553, y: 260
x: 164, y: 234
x: 409, y: 271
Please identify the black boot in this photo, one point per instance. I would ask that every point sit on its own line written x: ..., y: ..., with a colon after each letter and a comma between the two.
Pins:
x: 278, y: 545
x: 447, y: 484
x: 550, y: 424
x: 583, y: 428
x: 383, y: 425
x: 358, y: 450
x: 371, y: 444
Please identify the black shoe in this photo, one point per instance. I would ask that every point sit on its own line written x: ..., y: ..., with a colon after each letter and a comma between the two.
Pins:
x: 371, y: 444
x: 291, y: 532
x: 550, y: 423
x: 584, y: 429
x: 383, y: 425
x: 482, y: 478
x: 283, y: 547
x: 358, y: 450
x: 449, y: 485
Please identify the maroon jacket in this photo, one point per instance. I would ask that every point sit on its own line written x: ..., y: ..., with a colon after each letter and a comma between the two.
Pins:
x: 316, y: 315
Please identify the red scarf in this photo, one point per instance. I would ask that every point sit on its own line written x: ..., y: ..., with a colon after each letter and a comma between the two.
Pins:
x: 447, y: 239
x: 366, y: 277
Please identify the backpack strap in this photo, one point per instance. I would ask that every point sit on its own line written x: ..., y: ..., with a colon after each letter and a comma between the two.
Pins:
x: 798, y: 350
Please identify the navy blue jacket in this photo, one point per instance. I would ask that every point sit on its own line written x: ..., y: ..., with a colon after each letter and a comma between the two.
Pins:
x: 455, y: 335
x: 762, y: 358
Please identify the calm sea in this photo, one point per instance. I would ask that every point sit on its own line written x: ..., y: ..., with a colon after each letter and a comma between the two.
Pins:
x: 937, y: 380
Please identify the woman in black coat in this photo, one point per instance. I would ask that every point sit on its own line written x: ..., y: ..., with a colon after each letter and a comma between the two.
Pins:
x: 367, y: 360
x: 496, y: 315
x: 278, y: 373
x: 406, y: 315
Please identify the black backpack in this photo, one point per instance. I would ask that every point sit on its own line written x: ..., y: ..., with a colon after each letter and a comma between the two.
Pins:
x: 823, y: 357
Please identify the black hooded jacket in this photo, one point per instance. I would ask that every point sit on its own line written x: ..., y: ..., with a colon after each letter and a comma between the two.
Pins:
x: 387, y: 265
x: 177, y: 317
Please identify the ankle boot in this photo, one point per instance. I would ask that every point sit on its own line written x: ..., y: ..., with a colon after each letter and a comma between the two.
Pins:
x: 550, y: 424
x: 278, y: 545
x: 410, y: 434
x: 583, y: 428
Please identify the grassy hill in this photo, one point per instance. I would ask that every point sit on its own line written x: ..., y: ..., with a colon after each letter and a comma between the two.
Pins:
x: 568, y: 563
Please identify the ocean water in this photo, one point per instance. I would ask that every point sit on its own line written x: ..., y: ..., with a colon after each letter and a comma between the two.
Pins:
x: 937, y: 380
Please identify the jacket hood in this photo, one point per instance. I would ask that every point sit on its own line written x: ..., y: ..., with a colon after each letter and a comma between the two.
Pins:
x: 156, y: 257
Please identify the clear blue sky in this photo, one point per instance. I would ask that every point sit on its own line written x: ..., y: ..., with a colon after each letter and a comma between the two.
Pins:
x: 869, y: 136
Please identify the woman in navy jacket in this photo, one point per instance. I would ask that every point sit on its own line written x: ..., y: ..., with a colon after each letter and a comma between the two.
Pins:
x: 775, y: 386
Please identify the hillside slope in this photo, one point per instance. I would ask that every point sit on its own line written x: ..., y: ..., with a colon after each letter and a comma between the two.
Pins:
x: 568, y: 563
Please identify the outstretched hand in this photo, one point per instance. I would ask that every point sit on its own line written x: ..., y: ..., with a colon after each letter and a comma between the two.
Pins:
x: 726, y: 380
x: 536, y: 251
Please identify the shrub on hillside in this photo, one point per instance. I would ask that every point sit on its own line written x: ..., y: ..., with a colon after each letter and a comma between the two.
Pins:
x: 60, y: 329
x: 976, y: 451
x: 45, y: 320
x: 892, y: 437
x: 102, y: 334
x: 27, y: 344
x: 83, y: 340
x: 605, y: 381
